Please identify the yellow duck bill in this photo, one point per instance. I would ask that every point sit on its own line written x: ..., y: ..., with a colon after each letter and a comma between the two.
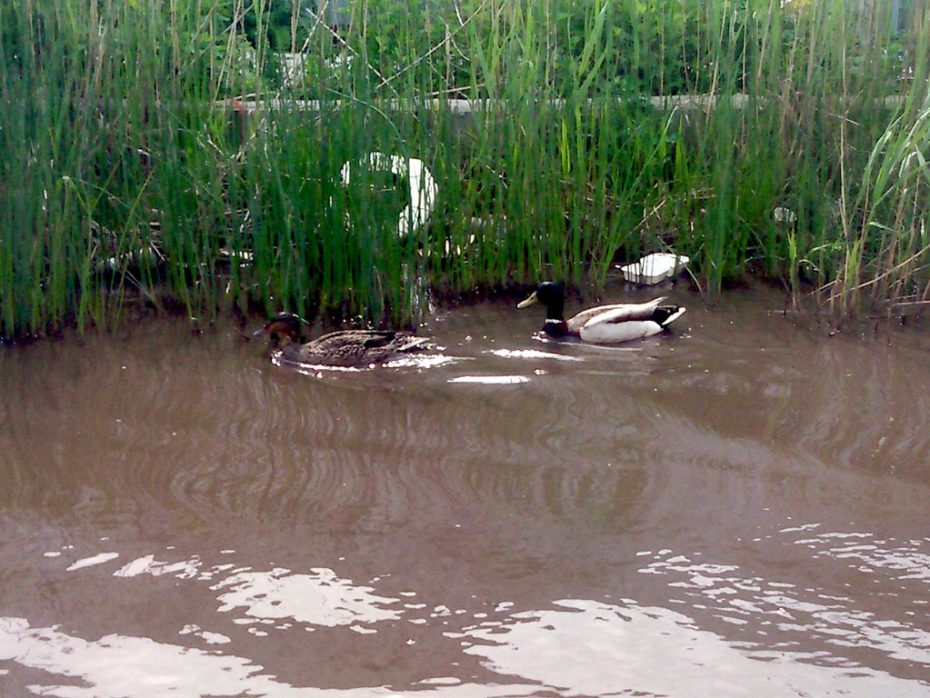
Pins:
x: 529, y: 301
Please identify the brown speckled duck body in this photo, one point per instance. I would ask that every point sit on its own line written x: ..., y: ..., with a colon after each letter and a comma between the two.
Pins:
x: 344, y: 348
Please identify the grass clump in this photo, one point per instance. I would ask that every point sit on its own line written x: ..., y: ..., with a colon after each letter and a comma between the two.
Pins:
x: 192, y: 152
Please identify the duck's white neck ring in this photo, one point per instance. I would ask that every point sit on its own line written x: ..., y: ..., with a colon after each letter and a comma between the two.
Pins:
x: 555, y: 328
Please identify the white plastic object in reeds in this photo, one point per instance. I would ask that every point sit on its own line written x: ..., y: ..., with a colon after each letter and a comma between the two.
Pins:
x: 783, y: 214
x: 654, y: 268
x: 423, y: 188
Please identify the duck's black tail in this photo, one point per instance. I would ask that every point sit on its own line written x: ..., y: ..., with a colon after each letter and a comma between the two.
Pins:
x: 666, y: 314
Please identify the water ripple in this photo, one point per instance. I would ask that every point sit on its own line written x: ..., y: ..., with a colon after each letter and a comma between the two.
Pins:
x: 738, y: 494
x: 558, y: 646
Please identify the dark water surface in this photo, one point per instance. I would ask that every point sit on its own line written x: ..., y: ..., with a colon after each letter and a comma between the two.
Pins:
x: 739, y: 508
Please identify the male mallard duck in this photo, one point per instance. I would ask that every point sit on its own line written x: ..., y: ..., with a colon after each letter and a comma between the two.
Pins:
x: 345, y: 348
x: 605, y: 324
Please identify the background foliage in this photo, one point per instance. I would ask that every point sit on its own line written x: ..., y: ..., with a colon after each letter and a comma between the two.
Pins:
x: 188, y: 152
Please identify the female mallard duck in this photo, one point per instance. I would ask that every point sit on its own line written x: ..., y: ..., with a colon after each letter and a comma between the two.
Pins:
x: 605, y: 324
x: 345, y: 348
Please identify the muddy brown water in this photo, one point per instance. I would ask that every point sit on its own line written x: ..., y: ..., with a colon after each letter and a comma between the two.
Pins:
x: 737, y: 508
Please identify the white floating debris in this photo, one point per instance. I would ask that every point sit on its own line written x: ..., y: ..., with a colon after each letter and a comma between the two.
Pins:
x: 654, y: 268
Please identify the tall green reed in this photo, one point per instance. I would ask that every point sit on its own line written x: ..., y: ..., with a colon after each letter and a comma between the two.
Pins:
x: 153, y: 154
